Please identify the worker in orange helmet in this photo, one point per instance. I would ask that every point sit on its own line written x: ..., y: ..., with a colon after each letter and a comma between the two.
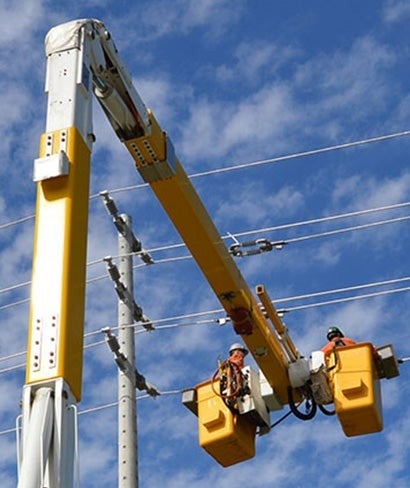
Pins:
x: 336, y: 338
x: 237, y: 353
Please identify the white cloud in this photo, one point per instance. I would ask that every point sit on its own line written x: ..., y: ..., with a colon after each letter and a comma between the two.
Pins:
x: 242, y: 204
x: 347, y: 86
x: 254, y: 61
x: 17, y: 17
x: 157, y: 20
x: 327, y: 96
x: 396, y: 11
x: 216, y: 128
x: 162, y: 97
x: 17, y: 261
x: 359, y: 191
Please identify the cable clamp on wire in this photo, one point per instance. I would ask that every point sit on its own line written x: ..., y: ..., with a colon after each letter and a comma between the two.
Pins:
x: 260, y: 245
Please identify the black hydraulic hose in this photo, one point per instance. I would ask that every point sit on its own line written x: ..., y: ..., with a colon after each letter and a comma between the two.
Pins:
x: 324, y: 410
x: 300, y: 415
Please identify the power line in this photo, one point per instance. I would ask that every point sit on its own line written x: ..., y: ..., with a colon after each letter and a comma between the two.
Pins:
x: 105, y: 406
x: 12, y: 368
x: 282, y: 241
x: 13, y: 304
x: 15, y: 287
x: 343, y: 290
x: 15, y: 222
x: 347, y: 299
x: 276, y: 301
x: 250, y: 164
x: 346, y: 229
x: 280, y: 158
x: 230, y: 236
x: 189, y: 257
x: 223, y: 320
x: 319, y: 220
x: 283, y: 227
x: 302, y: 154
x: 12, y: 356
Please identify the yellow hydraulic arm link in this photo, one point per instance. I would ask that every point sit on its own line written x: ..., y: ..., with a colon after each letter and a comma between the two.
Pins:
x: 155, y: 160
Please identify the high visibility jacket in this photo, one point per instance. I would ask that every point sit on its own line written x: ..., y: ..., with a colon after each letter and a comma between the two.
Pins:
x: 337, y: 342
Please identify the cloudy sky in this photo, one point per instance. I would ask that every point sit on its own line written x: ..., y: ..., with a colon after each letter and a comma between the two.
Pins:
x: 258, y: 96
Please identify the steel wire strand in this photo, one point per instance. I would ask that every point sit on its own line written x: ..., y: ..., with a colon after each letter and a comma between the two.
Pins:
x: 283, y: 241
x: 277, y: 159
x: 105, y: 406
x: 230, y: 236
x: 246, y: 165
x: 223, y: 320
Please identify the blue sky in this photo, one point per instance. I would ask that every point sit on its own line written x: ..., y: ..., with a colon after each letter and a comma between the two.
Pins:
x: 232, y: 83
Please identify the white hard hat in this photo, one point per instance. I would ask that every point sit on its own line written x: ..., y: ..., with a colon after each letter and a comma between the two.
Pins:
x: 239, y: 347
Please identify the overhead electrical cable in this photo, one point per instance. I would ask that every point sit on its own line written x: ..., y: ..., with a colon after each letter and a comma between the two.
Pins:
x: 189, y: 257
x: 15, y: 287
x: 302, y: 154
x: 250, y: 164
x: 15, y: 222
x: 286, y: 241
x: 282, y: 241
x: 106, y: 406
x: 278, y: 159
x: 319, y: 220
x: 347, y: 229
x: 346, y: 299
x: 223, y: 320
x: 342, y: 290
x: 242, y: 234
x: 12, y: 356
x: 14, y: 304
x: 12, y: 368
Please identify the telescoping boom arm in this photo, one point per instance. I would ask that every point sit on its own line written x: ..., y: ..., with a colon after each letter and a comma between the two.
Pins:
x: 98, y: 63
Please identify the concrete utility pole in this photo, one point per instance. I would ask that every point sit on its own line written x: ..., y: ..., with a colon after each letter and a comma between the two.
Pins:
x: 127, y: 405
x: 124, y: 347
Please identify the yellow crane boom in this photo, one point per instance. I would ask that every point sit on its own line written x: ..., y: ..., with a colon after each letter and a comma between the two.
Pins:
x: 155, y: 160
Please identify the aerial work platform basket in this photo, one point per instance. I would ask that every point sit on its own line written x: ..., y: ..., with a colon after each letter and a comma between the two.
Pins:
x: 353, y: 378
x: 228, y: 437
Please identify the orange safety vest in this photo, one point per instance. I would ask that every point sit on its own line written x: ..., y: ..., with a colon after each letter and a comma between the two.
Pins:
x: 337, y: 342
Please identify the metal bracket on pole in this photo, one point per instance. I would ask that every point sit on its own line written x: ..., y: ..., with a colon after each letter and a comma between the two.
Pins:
x: 124, y: 229
x: 125, y: 366
x: 125, y: 296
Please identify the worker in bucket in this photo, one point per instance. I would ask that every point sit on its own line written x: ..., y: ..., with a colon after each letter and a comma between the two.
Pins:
x: 336, y: 338
x: 237, y: 353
